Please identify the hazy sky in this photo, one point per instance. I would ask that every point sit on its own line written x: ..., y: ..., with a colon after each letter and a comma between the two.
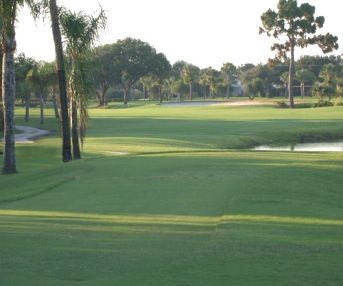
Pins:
x: 204, y: 33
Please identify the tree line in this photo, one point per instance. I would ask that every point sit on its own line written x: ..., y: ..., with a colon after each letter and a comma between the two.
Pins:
x: 80, y: 32
x: 116, y: 73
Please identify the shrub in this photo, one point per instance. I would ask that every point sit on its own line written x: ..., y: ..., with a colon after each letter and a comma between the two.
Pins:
x: 303, y: 105
x: 282, y: 104
x: 115, y: 95
x: 323, y: 103
x: 338, y: 101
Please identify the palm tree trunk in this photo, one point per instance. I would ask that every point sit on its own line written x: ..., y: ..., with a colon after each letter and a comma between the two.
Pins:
x: 73, y: 112
x: 66, y: 144
x: 41, y: 105
x: 102, y: 94
x: 160, y: 93
x: 290, y: 81
x: 190, y: 90
x: 27, y: 108
x: 75, y: 130
x: 8, y: 98
x: 228, y: 86
x: 55, y: 103
x: 302, y: 89
x: 211, y: 91
x: 126, y: 94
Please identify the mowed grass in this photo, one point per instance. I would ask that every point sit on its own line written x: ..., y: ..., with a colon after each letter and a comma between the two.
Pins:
x: 162, y: 198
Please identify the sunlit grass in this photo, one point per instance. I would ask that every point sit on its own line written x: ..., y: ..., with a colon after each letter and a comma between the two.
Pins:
x: 167, y: 220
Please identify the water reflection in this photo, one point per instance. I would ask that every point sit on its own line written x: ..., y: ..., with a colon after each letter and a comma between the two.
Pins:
x: 323, y: 147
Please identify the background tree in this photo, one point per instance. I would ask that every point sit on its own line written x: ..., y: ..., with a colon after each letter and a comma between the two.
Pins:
x: 243, y: 68
x: 207, y: 78
x: 102, y: 70
x: 180, y: 88
x: 160, y: 71
x: 316, y: 63
x: 177, y: 84
x: 266, y: 74
x: 51, y: 82
x: 177, y: 68
x: 304, y: 76
x: 213, y: 78
x: 23, y: 66
x: 322, y: 90
x: 81, y: 32
x: 258, y: 87
x: 330, y: 73
x: 132, y: 60
x: 259, y: 79
x: 276, y: 67
x: 229, y: 70
x: 189, y: 74
x: 298, y: 26
x: 147, y: 84
x: 284, y: 77
x: 204, y: 80
x: 39, y: 78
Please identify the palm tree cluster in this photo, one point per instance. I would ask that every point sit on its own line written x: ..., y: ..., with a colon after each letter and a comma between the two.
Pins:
x: 80, y: 31
x: 188, y: 81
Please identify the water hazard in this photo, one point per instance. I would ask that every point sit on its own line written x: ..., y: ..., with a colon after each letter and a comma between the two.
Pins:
x: 309, y: 147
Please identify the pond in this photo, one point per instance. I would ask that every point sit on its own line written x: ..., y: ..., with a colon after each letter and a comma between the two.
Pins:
x: 310, y: 147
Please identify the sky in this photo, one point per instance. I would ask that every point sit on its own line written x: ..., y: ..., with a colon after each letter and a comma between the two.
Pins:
x: 201, y: 32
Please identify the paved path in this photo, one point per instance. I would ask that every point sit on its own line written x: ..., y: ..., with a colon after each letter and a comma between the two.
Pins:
x: 214, y: 103
x: 28, y: 134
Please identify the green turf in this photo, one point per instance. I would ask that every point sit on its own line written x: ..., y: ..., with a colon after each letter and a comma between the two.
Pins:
x: 181, y: 208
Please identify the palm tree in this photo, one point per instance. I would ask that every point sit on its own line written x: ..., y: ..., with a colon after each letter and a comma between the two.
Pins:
x: 62, y: 84
x: 40, y: 77
x: 81, y: 32
x: 211, y: 80
x: 23, y: 68
x: 8, y: 17
x: 285, y: 78
x: 102, y: 71
x: 189, y: 74
x: 229, y: 70
x: 303, y: 76
x: 203, y: 80
x: 148, y: 84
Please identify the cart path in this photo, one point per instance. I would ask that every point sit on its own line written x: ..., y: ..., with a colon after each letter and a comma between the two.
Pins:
x: 28, y: 134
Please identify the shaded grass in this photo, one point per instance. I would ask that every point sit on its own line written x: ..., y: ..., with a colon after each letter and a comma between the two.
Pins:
x: 178, y: 210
